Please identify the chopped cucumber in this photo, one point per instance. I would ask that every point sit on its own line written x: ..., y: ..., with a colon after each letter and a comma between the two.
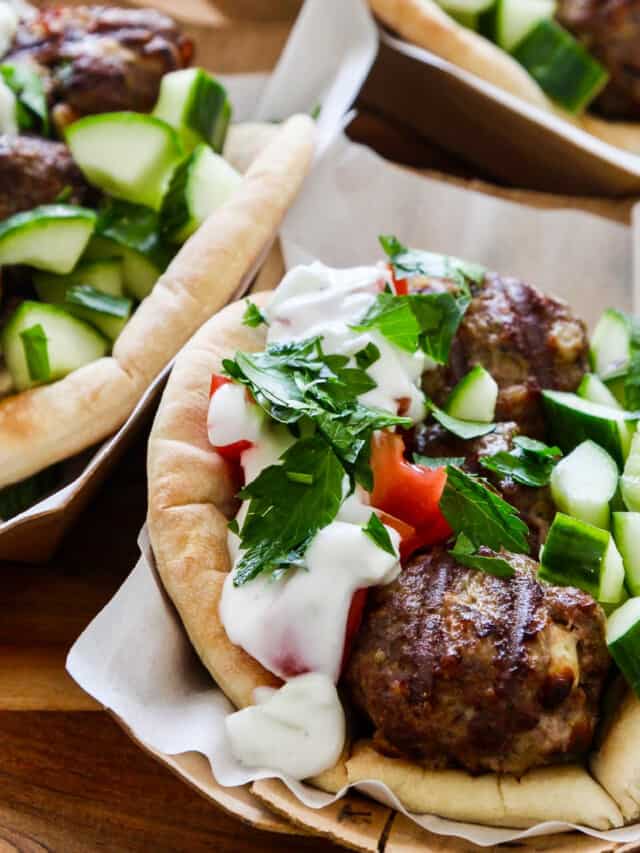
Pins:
x: 474, y: 397
x: 593, y: 388
x: 515, y: 19
x: 131, y: 233
x: 465, y: 7
x: 126, y: 154
x: 571, y: 420
x: 610, y: 343
x: 630, y: 480
x: 71, y: 343
x: 105, y: 275
x: 561, y: 66
x: 108, y: 312
x: 51, y: 237
x: 582, y: 555
x: 623, y: 640
x: 584, y: 482
x: 196, y: 105
x: 626, y: 531
x: 201, y: 183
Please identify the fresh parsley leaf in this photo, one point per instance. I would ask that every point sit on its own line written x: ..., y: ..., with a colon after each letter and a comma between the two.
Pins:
x: 484, y: 517
x: 376, y: 530
x: 64, y: 195
x: 36, y: 353
x: 284, y: 514
x: 233, y: 526
x: 426, y: 321
x: 463, y: 429
x: 253, y: 316
x: 465, y: 553
x: 296, y: 382
x: 407, y: 263
x: 26, y: 84
x: 367, y: 356
x: 437, y: 461
x: 393, y: 317
x: 529, y: 463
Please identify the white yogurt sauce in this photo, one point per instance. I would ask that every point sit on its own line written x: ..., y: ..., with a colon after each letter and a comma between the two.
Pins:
x: 298, y: 730
x: 297, y: 624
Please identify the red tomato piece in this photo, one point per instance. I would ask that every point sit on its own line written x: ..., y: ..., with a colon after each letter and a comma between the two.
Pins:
x: 354, y: 620
x: 401, y: 284
x: 409, y: 492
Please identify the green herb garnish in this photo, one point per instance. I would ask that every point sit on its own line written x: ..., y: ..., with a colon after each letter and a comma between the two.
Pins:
x: 529, y: 463
x: 253, y: 316
x: 297, y: 384
x: 284, y: 513
x: 484, y: 517
x: 367, y: 356
x: 466, y: 554
x: 376, y: 530
x: 26, y: 84
x: 407, y: 263
x: 463, y: 429
x: 36, y: 353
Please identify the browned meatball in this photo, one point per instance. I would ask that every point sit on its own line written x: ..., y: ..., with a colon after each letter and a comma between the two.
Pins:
x: 456, y: 667
x: 35, y: 171
x: 610, y: 30
x: 525, y: 339
x: 98, y: 59
x: 535, y: 505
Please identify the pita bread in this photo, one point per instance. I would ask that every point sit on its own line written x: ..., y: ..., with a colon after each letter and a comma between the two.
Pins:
x: 616, y: 765
x: 424, y: 23
x: 52, y: 422
x: 190, y: 500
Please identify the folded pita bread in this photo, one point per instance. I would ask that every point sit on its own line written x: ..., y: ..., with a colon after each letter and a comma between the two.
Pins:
x: 424, y: 23
x: 52, y: 422
x: 190, y: 501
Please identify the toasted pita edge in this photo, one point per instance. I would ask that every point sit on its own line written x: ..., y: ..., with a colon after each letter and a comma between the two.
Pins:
x: 424, y: 23
x: 565, y: 792
x: 616, y: 764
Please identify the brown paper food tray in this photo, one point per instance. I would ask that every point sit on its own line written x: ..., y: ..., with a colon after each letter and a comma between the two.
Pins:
x: 224, y: 44
x: 457, y: 112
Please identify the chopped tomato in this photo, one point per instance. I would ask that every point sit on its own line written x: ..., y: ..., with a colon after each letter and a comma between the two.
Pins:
x: 401, y: 284
x: 230, y: 452
x: 409, y: 492
x: 354, y: 620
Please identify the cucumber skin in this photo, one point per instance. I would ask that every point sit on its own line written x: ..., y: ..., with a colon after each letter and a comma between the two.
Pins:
x: 580, y: 558
x: 625, y: 547
x: 624, y: 651
x: 210, y: 112
x: 175, y: 215
x: 546, y: 37
x: 568, y: 431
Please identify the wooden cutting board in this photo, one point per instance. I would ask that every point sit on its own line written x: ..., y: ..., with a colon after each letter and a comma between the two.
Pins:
x: 72, y: 780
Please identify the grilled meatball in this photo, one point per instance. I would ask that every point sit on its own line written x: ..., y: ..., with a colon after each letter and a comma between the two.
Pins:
x: 456, y: 667
x: 526, y: 340
x: 98, y: 59
x: 35, y: 171
x: 610, y: 30
x: 535, y: 505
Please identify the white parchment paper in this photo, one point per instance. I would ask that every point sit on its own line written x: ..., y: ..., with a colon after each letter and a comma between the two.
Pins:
x: 135, y: 657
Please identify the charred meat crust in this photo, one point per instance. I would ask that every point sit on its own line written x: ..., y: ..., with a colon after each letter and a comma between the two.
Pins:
x: 459, y: 668
x: 96, y: 59
x: 525, y: 339
x: 36, y: 171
